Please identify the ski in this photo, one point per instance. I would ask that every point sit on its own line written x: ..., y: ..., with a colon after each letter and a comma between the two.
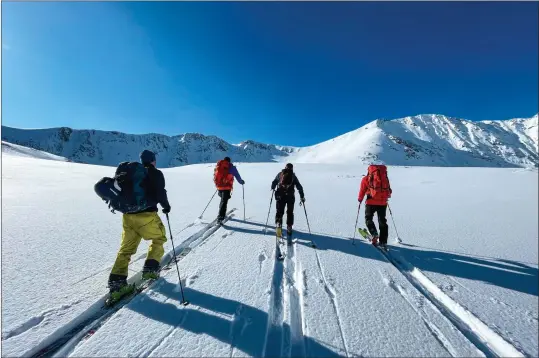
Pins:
x: 94, y: 321
x: 143, y: 284
x: 278, y: 241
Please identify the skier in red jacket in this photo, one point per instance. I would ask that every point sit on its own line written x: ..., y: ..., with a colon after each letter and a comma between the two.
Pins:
x: 376, y: 186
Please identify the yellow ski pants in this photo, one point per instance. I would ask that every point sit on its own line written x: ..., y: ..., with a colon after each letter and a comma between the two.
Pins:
x: 147, y: 226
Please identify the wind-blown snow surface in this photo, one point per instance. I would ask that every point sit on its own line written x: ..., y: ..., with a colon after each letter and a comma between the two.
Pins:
x: 424, y: 140
x: 464, y: 282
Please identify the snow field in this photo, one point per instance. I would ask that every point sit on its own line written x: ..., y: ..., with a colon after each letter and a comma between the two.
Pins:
x: 457, y: 227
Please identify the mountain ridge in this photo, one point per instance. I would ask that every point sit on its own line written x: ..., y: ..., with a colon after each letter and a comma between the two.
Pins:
x: 426, y: 140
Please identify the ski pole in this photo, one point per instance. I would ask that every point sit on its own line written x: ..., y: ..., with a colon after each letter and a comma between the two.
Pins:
x: 243, y: 189
x: 184, y: 302
x: 393, y: 220
x: 308, y: 226
x: 269, y: 209
x: 200, y: 217
x: 355, y: 227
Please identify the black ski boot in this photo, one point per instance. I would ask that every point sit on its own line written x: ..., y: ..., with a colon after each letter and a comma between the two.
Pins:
x: 118, y: 287
x: 151, y: 269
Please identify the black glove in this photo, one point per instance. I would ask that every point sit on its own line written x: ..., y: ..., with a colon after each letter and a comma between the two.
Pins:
x: 302, y: 199
x: 166, y: 210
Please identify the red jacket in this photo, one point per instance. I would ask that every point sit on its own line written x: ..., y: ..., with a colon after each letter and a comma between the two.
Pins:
x: 364, y: 189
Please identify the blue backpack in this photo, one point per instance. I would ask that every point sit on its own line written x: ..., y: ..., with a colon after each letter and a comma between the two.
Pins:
x: 127, y: 191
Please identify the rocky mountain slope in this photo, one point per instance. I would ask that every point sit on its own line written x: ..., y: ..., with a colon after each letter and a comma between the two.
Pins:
x: 426, y: 140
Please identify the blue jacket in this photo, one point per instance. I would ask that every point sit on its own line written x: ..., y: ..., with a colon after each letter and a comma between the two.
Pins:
x: 234, y: 171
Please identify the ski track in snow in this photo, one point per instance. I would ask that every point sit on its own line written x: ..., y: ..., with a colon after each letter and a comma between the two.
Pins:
x: 35, y: 321
x: 484, y: 338
x: 332, y: 294
x: 85, y: 325
x: 274, y: 330
x: 418, y: 308
x: 295, y: 345
x: 285, y: 323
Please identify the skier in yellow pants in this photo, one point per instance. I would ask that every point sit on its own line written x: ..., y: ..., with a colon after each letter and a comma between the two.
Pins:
x: 146, y: 225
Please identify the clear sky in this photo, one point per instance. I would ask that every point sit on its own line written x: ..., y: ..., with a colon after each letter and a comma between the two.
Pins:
x: 286, y: 73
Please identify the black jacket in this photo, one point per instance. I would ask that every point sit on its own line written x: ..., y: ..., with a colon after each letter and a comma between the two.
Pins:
x: 290, y: 191
x: 156, y: 189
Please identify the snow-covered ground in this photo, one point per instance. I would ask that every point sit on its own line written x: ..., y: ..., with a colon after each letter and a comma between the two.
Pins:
x: 21, y: 151
x: 464, y: 282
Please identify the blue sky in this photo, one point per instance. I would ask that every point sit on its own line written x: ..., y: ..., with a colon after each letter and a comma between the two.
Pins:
x: 287, y: 73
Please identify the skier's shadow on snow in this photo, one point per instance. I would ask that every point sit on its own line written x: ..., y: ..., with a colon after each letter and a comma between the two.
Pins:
x: 509, y: 274
x: 234, y: 323
x: 322, y: 241
x: 504, y: 273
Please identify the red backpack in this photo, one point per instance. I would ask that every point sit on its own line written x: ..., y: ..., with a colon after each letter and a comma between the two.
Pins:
x: 378, y: 182
x: 221, y: 175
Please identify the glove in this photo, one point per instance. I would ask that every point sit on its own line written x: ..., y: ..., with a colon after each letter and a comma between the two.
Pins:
x: 359, y: 201
x: 302, y: 200
x: 242, y: 182
x: 166, y: 210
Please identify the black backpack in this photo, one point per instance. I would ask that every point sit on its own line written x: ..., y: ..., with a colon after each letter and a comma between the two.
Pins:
x: 286, y: 180
x: 127, y: 191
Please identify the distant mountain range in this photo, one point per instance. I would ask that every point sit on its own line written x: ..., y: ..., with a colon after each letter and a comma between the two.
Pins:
x: 425, y: 140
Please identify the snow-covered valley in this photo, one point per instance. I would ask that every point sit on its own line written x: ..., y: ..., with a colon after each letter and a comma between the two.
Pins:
x: 464, y: 281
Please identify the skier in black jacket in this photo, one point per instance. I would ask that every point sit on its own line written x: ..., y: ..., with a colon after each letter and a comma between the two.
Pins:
x: 144, y: 224
x: 285, y: 182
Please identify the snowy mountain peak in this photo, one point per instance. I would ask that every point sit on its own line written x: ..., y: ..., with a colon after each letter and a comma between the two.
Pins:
x: 424, y: 139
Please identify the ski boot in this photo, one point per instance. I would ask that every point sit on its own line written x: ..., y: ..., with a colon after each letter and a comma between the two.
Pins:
x: 383, y: 246
x: 118, y: 289
x: 374, y: 240
x: 289, y: 235
x: 279, y: 231
x: 151, y: 269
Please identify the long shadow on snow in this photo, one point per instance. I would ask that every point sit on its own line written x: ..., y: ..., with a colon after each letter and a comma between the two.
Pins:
x: 322, y: 241
x: 249, y: 340
x: 504, y: 273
